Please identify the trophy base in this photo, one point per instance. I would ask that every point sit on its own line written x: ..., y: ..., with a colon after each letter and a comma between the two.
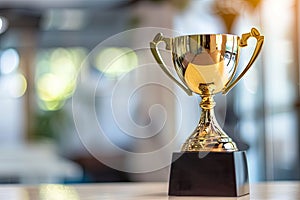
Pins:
x: 209, y: 174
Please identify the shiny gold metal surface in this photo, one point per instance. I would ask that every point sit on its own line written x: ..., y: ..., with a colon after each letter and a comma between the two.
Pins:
x: 206, y: 64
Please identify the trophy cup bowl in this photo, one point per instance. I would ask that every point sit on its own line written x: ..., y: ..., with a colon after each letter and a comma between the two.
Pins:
x: 206, y: 64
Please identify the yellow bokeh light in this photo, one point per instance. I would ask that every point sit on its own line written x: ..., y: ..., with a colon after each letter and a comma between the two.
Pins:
x: 56, y: 75
x: 51, y: 105
x: 59, y: 53
x: 64, y: 68
x: 57, y: 192
x: 114, y: 61
x: 77, y: 55
x: 50, y: 87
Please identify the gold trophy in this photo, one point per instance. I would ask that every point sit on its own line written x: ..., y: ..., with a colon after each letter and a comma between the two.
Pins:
x: 206, y: 64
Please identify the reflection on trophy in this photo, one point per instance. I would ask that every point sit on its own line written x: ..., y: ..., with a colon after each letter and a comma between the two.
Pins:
x: 206, y: 65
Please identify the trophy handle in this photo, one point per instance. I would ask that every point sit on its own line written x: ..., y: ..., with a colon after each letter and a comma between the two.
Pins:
x: 155, y: 52
x: 243, y: 43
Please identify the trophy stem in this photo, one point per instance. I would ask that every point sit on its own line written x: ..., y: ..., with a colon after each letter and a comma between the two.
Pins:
x: 208, y: 135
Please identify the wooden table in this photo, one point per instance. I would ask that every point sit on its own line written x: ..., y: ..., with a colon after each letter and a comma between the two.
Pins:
x: 132, y: 191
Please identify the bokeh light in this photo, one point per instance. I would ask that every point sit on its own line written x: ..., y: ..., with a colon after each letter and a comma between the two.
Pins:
x: 57, y: 192
x: 9, y: 61
x: 13, y: 85
x: 17, y: 85
x: 3, y: 24
x: 56, y: 75
x: 114, y: 61
x: 51, y: 87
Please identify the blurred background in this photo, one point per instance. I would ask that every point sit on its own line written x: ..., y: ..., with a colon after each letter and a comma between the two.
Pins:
x: 44, y: 43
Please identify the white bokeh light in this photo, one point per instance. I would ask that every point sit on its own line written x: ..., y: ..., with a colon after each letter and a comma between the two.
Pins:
x: 3, y: 24
x: 9, y: 61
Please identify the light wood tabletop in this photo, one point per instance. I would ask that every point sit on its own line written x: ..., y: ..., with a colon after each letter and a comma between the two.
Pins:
x: 132, y: 191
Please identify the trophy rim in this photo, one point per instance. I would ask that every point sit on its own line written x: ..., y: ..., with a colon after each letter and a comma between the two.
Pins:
x: 207, y: 34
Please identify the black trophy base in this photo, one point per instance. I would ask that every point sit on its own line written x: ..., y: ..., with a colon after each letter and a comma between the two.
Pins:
x: 209, y: 174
